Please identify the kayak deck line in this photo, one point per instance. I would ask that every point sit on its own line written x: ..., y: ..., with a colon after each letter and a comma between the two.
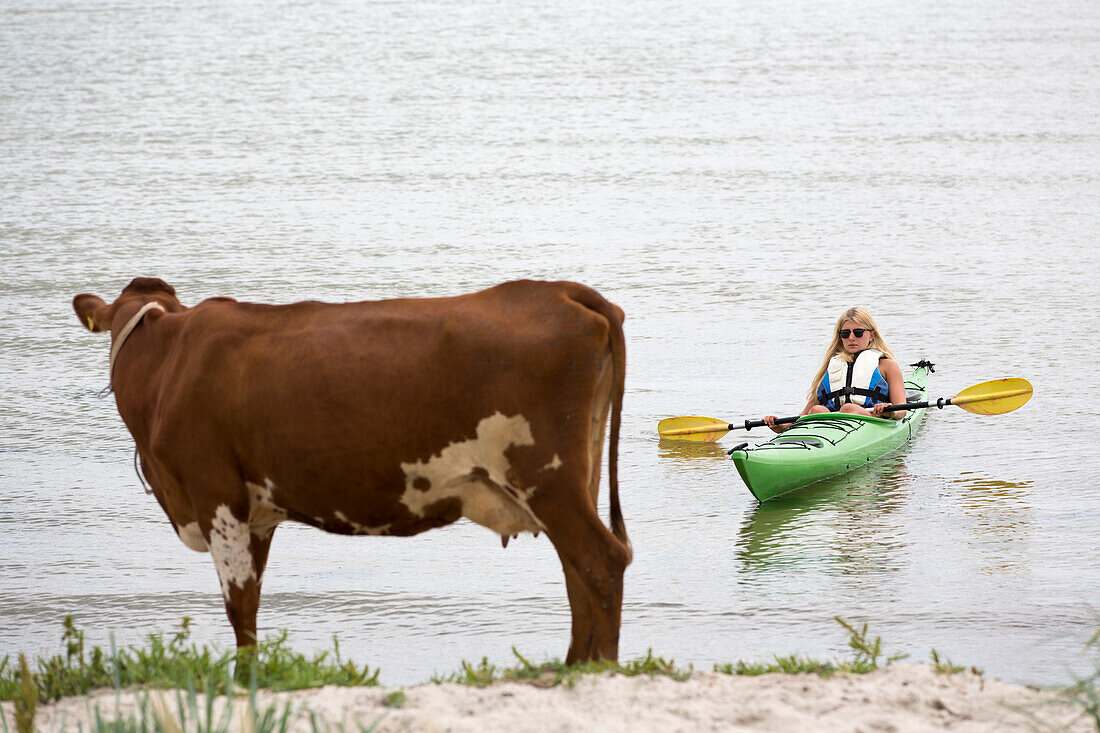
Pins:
x: 847, y: 427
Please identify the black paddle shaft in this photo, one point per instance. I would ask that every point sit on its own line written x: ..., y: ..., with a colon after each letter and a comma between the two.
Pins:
x: 750, y: 424
x: 940, y: 403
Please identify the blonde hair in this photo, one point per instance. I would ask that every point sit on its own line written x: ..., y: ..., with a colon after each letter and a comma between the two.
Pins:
x: 836, y: 344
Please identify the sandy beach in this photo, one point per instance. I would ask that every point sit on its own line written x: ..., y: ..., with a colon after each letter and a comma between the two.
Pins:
x: 902, y: 697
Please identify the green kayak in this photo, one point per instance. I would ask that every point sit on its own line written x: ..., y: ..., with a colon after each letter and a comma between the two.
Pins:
x: 819, y: 446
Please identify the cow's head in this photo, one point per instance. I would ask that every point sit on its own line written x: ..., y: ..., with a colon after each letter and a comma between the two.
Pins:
x: 96, y: 315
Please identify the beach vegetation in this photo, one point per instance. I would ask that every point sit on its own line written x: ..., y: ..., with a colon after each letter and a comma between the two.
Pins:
x: 1085, y: 691
x: 792, y: 664
x: 943, y: 665
x: 1083, y: 695
x: 395, y: 699
x: 25, y: 698
x: 555, y: 672
x: 174, y: 663
x: 207, y: 704
x: 205, y: 684
x: 193, y: 711
x: 867, y: 656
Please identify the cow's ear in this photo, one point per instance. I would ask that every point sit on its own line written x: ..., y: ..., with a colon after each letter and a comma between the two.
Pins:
x: 92, y: 312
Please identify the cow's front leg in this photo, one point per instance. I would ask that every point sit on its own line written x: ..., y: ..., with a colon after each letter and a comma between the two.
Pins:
x: 239, y: 557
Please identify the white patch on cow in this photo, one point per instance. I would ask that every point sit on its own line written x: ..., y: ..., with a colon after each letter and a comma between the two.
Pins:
x: 230, y: 545
x: 191, y: 535
x: 264, y: 515
x: 361, y: 528
x: 553, y: 465
x: 475, y: 471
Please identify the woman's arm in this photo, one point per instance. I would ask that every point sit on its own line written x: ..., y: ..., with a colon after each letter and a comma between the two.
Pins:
x: 896, y: 382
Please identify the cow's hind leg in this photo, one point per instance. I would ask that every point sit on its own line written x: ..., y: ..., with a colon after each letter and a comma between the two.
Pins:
x: 581, y: 611
x: 239, y: 556
x: 594, y: 561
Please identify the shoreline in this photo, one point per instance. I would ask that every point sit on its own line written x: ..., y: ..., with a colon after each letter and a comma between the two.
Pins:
x: 897, y: 697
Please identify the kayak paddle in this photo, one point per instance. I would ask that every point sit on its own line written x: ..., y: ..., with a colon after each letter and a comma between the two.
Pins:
x: 995, y: 397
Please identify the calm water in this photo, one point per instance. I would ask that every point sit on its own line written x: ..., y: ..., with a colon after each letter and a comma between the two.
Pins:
x: 732, y: 174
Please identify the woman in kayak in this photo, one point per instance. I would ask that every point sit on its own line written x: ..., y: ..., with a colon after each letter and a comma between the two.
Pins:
x: 858, y: 376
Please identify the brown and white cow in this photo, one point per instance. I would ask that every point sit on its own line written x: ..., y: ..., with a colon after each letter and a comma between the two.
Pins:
x: 379, y: 418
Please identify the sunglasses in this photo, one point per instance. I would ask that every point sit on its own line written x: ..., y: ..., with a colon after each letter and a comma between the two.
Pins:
x: 858, y: 332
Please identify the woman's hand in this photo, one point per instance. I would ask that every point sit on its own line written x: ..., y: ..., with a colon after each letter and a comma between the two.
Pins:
x: 769, y: 420
x: 879, y: 410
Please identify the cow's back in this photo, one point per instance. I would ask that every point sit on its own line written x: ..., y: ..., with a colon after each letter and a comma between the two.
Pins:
x: 323, y: 401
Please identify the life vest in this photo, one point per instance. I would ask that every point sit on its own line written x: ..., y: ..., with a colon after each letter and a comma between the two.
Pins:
x: 858, y: 381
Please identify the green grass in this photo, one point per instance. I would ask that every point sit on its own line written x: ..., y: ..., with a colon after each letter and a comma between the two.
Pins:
x: 184, y: 671
x: 175, y: 663
x: 556, y: 672
x: 1085, y: 692
x: 794, y: 664
x: 395, y: 699
x: 943, y: 665
x: 154, y: 713
x: 26, y: 698
x: 188, y: 670
x: 867, y: 656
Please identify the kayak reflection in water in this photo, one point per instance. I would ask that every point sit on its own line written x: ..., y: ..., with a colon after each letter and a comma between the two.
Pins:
x: 858, y: 375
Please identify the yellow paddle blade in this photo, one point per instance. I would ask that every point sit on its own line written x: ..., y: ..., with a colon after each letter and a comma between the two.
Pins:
x: 694, y: 429
x: 995, y: 397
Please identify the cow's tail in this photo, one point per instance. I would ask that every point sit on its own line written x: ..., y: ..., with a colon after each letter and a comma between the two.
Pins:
x: 617, y: 342
x: 618, y: 360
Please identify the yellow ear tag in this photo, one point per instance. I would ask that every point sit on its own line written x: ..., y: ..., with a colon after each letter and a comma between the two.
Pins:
x: 91, y: 324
